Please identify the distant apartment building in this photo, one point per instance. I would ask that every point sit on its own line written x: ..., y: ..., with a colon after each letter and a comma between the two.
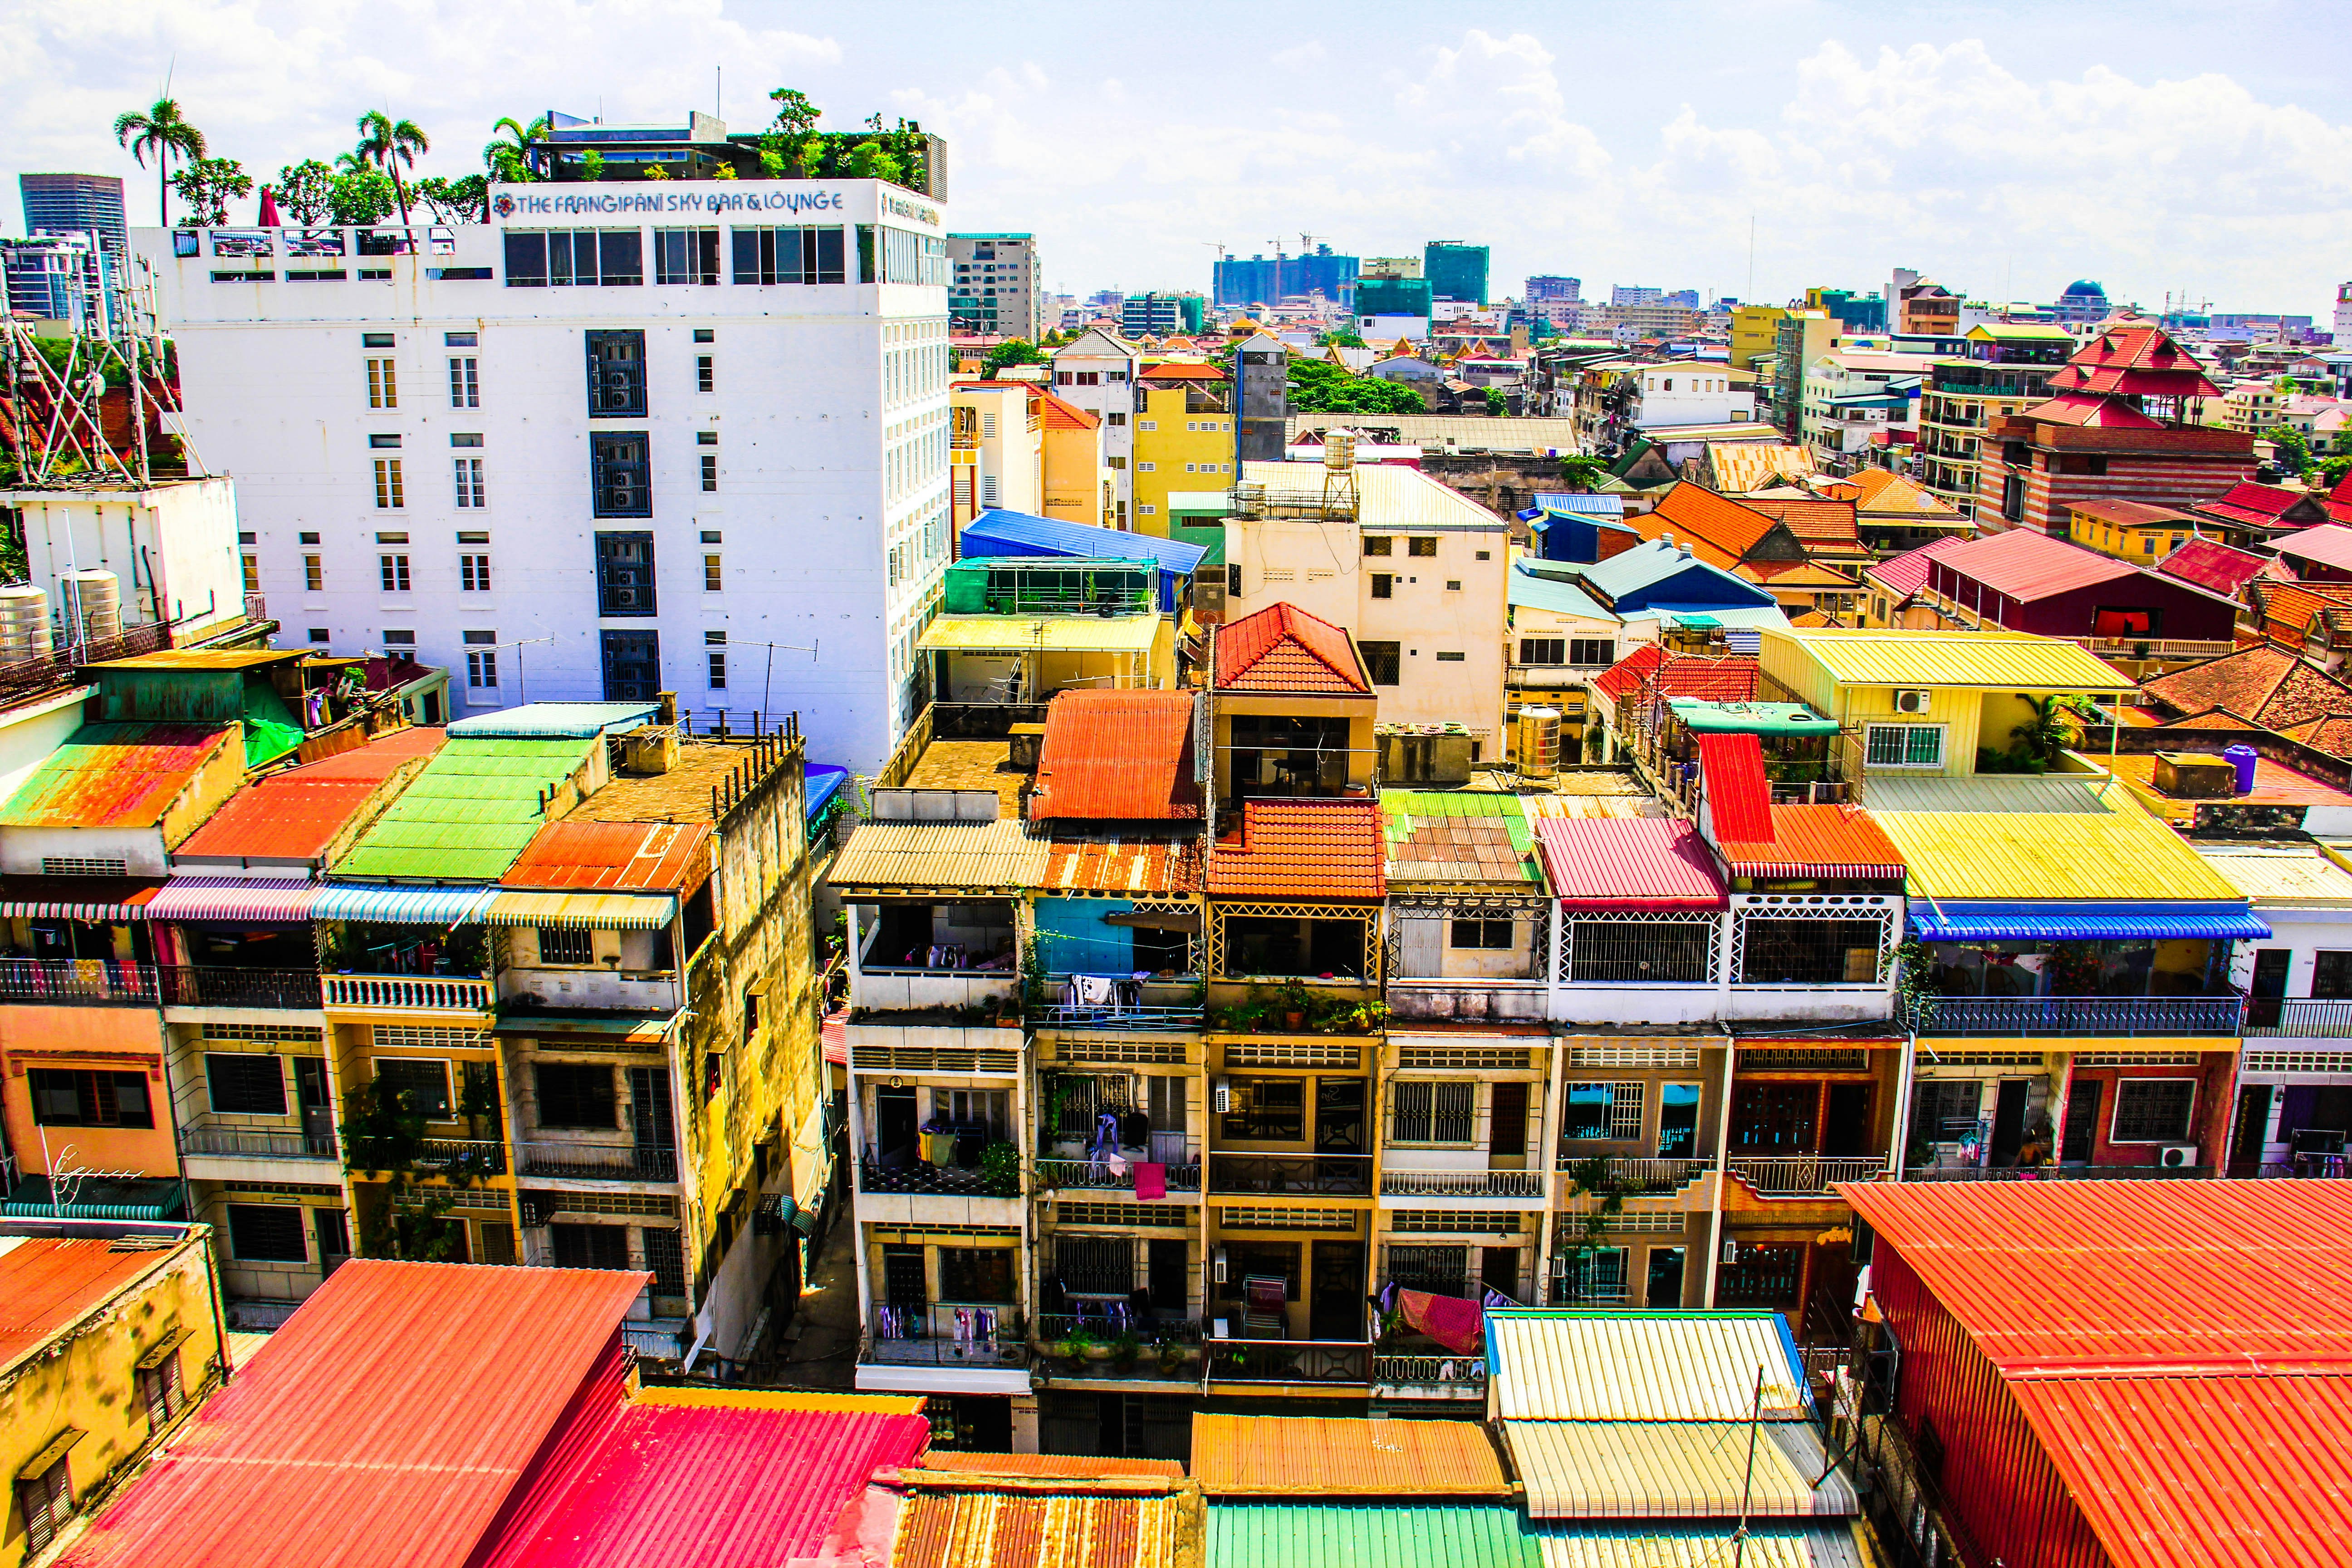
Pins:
x: 1551, y: 289
x: 1161, y: 315
x: 1918, y: 305
x: 1455, y: 270
x: 1621, y: 294
x: 75, y: 203
x: 1268, y: 280
x: 1392, y: 266
x: 60, y: 277
x: 2343, y: 315
x: 996, y: 287
x: 1755, y: 333
x: 2003, y: 369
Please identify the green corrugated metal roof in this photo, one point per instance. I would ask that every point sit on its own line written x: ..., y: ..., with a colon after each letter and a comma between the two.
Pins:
x: 1327, y: 1533
x: 469, y: 813
x: 1457, y: 836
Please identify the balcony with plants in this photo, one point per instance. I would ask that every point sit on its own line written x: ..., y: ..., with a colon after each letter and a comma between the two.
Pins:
x: 369, y: 966
x: 2026, y: 989
x: 1112, y: 1132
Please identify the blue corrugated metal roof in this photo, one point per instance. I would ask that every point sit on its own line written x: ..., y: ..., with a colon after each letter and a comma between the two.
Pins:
x: 1001, y: 532
x: 1950, y: 919
x: 402, y: 906
x: 1577, y: 501
x: 824, y: 782
x: 553, y: 721
x: 1536, y: 590
x: 1626, y: 574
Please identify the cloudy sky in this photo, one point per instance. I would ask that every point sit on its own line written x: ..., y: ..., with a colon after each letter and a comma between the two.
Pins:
x: 2005, y: 149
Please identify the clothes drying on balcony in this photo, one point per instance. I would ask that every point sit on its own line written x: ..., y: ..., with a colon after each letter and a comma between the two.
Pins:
x: 1996, y: 919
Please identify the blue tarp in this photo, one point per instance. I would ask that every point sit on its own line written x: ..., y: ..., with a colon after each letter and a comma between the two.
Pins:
x: 824, y: 782
x: 2023, y: 920
x: 1001, y: 532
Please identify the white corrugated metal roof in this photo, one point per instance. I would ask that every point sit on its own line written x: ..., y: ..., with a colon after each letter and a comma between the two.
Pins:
x: 1674, y: 1469
x: 977, y: 855
x: 1701, y: 1546
x: 1639, y: 1366
x: 2301, y: 877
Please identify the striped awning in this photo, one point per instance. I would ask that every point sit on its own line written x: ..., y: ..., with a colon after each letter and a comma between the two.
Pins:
x: 96, y: 1197
x: 582, y: 911
x: 233, y: 899
x: 401, y: 906
x: 105, y: 899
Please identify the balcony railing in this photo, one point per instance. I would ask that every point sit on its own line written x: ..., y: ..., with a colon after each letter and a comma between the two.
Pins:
x: 2115, y: 1015
x: 1341, y: 1175
x: 1288, y: 1361
x: 1783, y: 1174
x: 1652, y: 1176
x: 1463, y: 1377
x: 397, y: 993
x: 1054, y: 1174
x: 2273, y: 1017
x: 1124, y: 1020
x: 565, y: 1159
x: 929, y: 1336
x: 463, y: 1157
x: 2056, y: 1173
x: 77, y: 981
x: 873, y: 1176
x: 1055, y: 1328
x: 240, y: 1143
x: 653, y: 1344
x: 1462, y: 1184
x: 186, y: 985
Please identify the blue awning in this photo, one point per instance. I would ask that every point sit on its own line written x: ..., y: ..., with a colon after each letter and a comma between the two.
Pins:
x: 402, y: 906
x: 998, y: 532
x: 2026, y: 920
x: 824, y: 782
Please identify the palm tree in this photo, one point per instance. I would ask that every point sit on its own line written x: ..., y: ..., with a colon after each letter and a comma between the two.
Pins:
x: 512, y: 161
x: 389, y: 144
x: 162, y: 131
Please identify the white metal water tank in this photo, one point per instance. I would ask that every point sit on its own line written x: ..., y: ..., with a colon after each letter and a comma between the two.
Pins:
x: 94, y: 605
x: 24, y: 624
x: 1338, y: 449
x: 1535, y: 743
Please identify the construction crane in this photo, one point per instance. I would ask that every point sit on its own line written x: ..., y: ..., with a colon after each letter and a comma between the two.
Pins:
x: 1307, y: 241
x: 1218, y: 245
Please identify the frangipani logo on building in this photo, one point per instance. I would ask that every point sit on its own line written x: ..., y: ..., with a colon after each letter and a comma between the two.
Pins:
x: 504, y: 207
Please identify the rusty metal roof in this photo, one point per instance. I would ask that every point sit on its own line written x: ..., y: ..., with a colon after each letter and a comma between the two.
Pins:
x: 951, y: 1520
x: 614, y: 855
x: 1067, y: 1466
x: 1305, y: 1456
x: 294, y: 815
x: 1122, y: 866
x: 1457, y: 836
x: 50, y: 1282
x: 113, y: 775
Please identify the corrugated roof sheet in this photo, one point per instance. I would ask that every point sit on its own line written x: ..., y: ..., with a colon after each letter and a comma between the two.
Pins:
x: 2328, y: 544
x: 1627, y: 573
x: 1696, y: 515
x: 113, y: 775
x: 554, y: 720
x: 1050, y: 634
x: 1300, y: 848
x: 976, y: 854
x: 665, y: 855
x: 50, y: 1282
x: 1283, y: 648
x: 294, y: 815
x: 1752, y: 465
x: 1457, y: 836
x: 474, y: 808
x: 1312, y: 1456
x: 997, y: 532
x: 2210, y: 565
x: 1552, y: 1365
x: 1881, y: 494
x: 1116, y: 1522
x: 1069, y: 1467
x: 1628, y: 863
x: 2020, y: 563
x: 2298, y: 878
x: 1370, y: 1535
x: 2013, y: 661
x: 2114, y: 856
x: 1675, y: 1469
x: 1769, y: 1543
x: 1821, y: 841
x: 1122, y: 866
x: 384, y: 1425
x: 1904, y: 574
x: 1731, y: 680
x: 1738, y: 796
x: 1117, y: 756
x: 582, y: 911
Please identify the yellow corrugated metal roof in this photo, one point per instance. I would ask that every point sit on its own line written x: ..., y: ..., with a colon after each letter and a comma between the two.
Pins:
x: 941, y: 855
x: 1306, y: 1455
x: 575, y: 912
x: 1638, y: 1366
x: 1052, y: 634
x: 1671, y: 1469
x: 2009, y: 661
x: 2124, y: 854
x: 2304, y: 877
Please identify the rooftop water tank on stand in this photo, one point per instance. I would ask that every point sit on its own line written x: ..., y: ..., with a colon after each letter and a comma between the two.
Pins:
x: 1535, y: 743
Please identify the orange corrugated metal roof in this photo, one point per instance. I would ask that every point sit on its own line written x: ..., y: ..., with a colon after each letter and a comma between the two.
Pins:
x: 1283, y: 648
x: 1695, y: 514
x: 1312, y: 1456
x: 1122, y: 866
x: 669, y: 857
x: 1179, y: 370
x: 1072, y: 1466
x: 1827, y: 841
x: 1302, y: 849
x: 48, y: 1282
x: 384, y: 1425
x: 1117, y: 756
x: 294, y: 814
x: 953, y: 1520
x: 113, y: 775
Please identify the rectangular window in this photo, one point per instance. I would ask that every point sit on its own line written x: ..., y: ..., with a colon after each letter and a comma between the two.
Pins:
x: 575, y: 258
x: 420, y: 1084
x: 63, y: 1097
x: 1425, y: 547
x: 384, y: 384
x: 1905, y: 746
x: 620, y: 475
x: 1266, y: 1109
x: 977, y: 1273
x: 267, y: 1233
x: 686, y: 256
x: 717, y: 662
x: 1383, y: 585
x: 474, y: 574
x: 1433, y: 1112
x: 1809, y: 952
x: 243, y: 1084
x: 1451, y: 658
x: 592, y: 1245
x: 158, y: 1383
x: 1543, y: 650
x: 631, y: 665
x: 1493, y: 936
x: 1383, y: 661
x: 1379, y: 545
x: 624, y: 574
x: 393, y: 570
x: 314, y: 573
x: 389, y: 492
x: 713, y: 580
x: 575, y: 1094
x: 787, y: 254
x: 47, y: 1503
x: 1678, y: 1121
x: 2154, y: 1110
x: 617, y: 375
x: 471, y: 494
x: 252, y: 574
x: 464, y: 382
x: 1602, y: 1112
x: 1597, y: 1274
x: 482, y: 663
x: 2331, y: 975
x: 705, y: 375
x: 710, y: 472
x: 1592, y: 651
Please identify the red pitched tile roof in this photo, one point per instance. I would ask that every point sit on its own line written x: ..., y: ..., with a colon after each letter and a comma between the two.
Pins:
x: 2022, y: 564
x: 2135, y: 359
x: 1697, y: 514
x: 1177, y: 370
x: 1818, y: 524
x: 1061, y: 415
x: 1737, y: 793
x: 2275, y: 506
x: 1117, y: 756
x: 2332, y: 736
x: 1628, y: 863
x: 2268, y: 685
x: 1731, y: 679
x: 2298, y: 608
x: 1283, y: 648
x: 1904, y: 574
x: 1302, y: 849
x: 2210, y: 565
x: 2086, y: 411
x: 1826, y: 841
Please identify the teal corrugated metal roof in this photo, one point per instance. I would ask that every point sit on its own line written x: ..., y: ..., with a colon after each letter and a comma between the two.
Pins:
x: 546, y: 721
x: 469, y: 813
x: 1331, y: 1534
x: 1537, y: 591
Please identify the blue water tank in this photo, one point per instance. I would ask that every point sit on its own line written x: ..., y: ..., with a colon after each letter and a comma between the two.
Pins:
x: 2241, y: 757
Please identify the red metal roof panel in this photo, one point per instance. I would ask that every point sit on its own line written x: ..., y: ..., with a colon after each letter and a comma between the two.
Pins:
x: 1738, y: 794
x: 2210, y: 565
x: 49, y: 1282
x: 1827, y: 841
x: 2022, y: 564
x: 113, y: 775
x: 1076, y: 1467
x: 1117, y: 756
x: 1302, y: 849
x: 672, y: 857
x: 1628, y: 863
x: 295, y: 813
x: 1904, y: 574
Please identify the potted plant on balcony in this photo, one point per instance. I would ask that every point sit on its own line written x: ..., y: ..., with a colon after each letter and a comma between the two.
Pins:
x: 1082, y: 1346
x: 1000, y: 1170
x: 1173, y: 1354
x: 1295, y: 1005
x: 1124, y: 1350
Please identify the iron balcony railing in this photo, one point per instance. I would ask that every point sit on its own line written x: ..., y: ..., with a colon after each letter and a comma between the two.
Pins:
x: 2276, y: 1017
x: 1124, y: 1020
x: 241, y: 1142
x: 873, y: 1176
x: 653, y: 1344
x: 77, y: 981
x: 1054, y: 1174
x: 1463, y: 1375
x: 2025, y: 1016
x: 1652, y: 1176
x: 186, y: 986
x: 463, y: 1157
x: 1462, y: 1184
x: 2056, y: 1173
x: 398, y: 992
x: 1055, y: 1328
x: 1288, y: 1361
x: 1783, y: 1174
x: 1336, y: 1176
x: 932, y: 1336
x: 565, y: 1159
x: 1567, y: 1291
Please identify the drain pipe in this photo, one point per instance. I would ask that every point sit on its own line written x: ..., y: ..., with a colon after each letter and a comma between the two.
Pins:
x: 1722, y: 1165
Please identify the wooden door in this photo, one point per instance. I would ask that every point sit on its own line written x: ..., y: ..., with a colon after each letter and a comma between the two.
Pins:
x: 1507, y: 1128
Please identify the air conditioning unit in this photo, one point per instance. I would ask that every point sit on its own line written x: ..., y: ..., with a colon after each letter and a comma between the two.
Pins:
x: 1220, y: 1267
x: 2176, y: 1156
x: 1221, y: 1098
x: 1911, y: 702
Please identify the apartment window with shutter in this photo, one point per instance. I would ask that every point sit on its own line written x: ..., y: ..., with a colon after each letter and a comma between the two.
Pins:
x: 382, y: 384
x: 389, y: 492
x: 1379, y: 545
x: 464, y: 382
x: 1423, y: 547
x: 78, y: 1097
x: 706, y: 376
x: 713, y: 579
x: 394, y: 570
x: 421, y: 1084
x: 1433, y: 1112
x: 1904, y: 746
x: 46, y: 1502
x: 575, y: 1094
x: 1593, y: 650
x: 1485, y: 935
x: 988, y: 491
x: 1383, y: 661
x: 1601, y: 1111
x: 710, y: 472
x: 314, y: 573
x: 267, y: 1233
x: 158, y: 1376
x: 715, y: 645
x: 244, y: 1083
x: 252, y: 574
x: 1383, y: 585
x: 2154, y: 1110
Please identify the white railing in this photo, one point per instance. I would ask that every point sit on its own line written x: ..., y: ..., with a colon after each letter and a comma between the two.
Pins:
x: 431, y: 993
x: 1781, y: 1174
x: 1462, y: 1184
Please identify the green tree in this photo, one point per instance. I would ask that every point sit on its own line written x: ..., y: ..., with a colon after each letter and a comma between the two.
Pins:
x: 360, y: 195
x: 795, y: 115
x: 592, y: 164
x: 872, y: 161
x: 464, y: 200
x: 1011, y: 351
x: 1582, y: 473
x: 1317, y: 387
x: 1497, y: 405
x: 208, y: 185
x: 514, y: 161
x: 2333, y: 470
x: 390, y: 145
x: 1345, y: 338
x: 305, y: 190
x: 160, y: 130
x: 2293, y: 449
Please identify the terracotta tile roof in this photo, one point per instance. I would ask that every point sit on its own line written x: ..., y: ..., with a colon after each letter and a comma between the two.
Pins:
x: 1302, y: 849
x: 1808, y: 620
x: 1731, y: 680
x: 1122, y: 866
x: 2268, y: 685
x: 2086, y: 411
x: 1904, y: 574
x: 1628, y: 862
x: 1738, y: 796
x: 1882, y: 493
x: 618, y: 855
x: 2019, y: 563
x: 2277, y: 503
x: 1283, y: 648
x: 1701, y: 515
x: 2299, y: 608
x: 1827, y: 841
x: 1626, y: 675
x: 1457, y: 835
x: 1818, y: 524
x: 2210, y: 565
x: 1796, y: 574
x: 1117, y: 756
x: 2135, y: 358
x: 2331, y: 736
x: 1178, y: 370
x: 1059, y: 414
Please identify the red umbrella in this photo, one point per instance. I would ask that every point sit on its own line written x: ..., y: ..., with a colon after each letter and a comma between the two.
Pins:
x: 270, y: 218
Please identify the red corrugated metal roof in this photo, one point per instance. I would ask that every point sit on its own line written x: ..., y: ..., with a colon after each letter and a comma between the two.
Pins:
x: 1283, y: 648
x: 381, y: 1427
x: 2329, y: 545
x: 294, y: 815
x: 49, y: 1282
x: 1182, y: 370
x: 1122, y: 866
x: 1737, y: 793
x: 1731, y: 679
x: 113, y: 775
x: 1628, y: 863
x: 1302, y: 849
x: 700, y: 1485
x: 2210, y: 565
x: 1117, y: 756
x: 1904, y: 574
x: 669, y: 857
x: 1827, y: 841
x: 2022, y: 564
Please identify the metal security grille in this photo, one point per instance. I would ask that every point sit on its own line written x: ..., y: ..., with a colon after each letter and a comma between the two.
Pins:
x: 1442, y: 1270
x: 285, y: 1189
x: 651, y: 1205
x: 1094, y: 1265
x: 1943, y: 1058
x: 1169, y: 1053
x: 1453, y: 1222
x: 274, y: 1034
x: 1429, y: 1112
x: 667, y: 1261
x: 1287, y: 1220
x: 1594, y: 1112
x: 2297, y: 1061
x: 1634, y: 1056
x: 2154, y: 1109
x: 2136, y: 1060
x: 1162, y: 1216
x: 1648, y: 951
x: 1779, y: 951
x: 1290, y: 1054
x: 1768, y: 1059
x: 1466, y: 1059
x: 411, y: 1036
x: 1569, y: 1229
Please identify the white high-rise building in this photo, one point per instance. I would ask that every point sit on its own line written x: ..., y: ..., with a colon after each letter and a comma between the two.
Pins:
x: 622, y: 438
x: 2343, y: 324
